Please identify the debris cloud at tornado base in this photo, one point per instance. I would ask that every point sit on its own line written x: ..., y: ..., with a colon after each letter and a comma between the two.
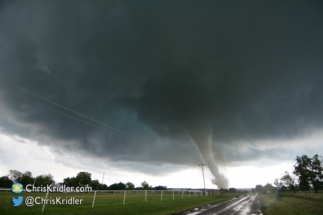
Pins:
x: 201, y: 135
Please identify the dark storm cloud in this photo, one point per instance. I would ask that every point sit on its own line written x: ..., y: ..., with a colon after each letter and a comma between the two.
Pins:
x: 153, y: 69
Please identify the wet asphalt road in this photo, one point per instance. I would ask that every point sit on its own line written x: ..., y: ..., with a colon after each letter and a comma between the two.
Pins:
x: 243, y: 205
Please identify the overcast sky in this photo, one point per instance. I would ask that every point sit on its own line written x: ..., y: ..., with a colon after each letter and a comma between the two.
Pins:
x: 138, y: 89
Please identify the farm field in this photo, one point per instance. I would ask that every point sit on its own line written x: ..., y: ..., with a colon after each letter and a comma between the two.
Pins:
x: 109, y: 203
x: 289, y: 203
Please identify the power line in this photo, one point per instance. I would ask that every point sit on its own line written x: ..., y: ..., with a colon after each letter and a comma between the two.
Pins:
x: 49, y: 129
x: 69, y: 116
x: 82, y: 115
x: 66, y: 108
x: 53, y: 129
x: 120, y: 135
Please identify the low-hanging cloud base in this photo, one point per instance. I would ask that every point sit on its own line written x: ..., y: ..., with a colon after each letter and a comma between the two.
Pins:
x: 150, y: 70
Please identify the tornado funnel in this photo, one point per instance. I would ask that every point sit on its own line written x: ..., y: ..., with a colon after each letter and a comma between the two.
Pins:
x: 201, y: 134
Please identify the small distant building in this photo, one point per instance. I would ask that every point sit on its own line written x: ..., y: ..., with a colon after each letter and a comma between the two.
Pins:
x: 57, y: 186
x: 222, y: 191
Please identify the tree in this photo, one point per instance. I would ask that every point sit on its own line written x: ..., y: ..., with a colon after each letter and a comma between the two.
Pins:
x: 309, y: 170
x: 44, y: 180
x: 145, y: 185
x: 26, y: 178
x: 70, y: 182
x: 317, y: 167
x: 288, y: 180
x: 95, y: 184
x: 15, y: 175
x: 160, y: 188
x: 277, y: 183
x: 119, y: 186
x: 49, y: 179
x: 304, y: 185
x: 5, y: 182
x: 83, y: 178
x: 268, y: 188
x: 130, y: 186
x: 104, y: 187
x: 258, y: 188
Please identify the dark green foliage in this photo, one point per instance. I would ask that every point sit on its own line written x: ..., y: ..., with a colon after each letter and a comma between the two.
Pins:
x: 119, y: 186
x: 130, y: 186
x: 309, y: 171
x: 71, y: 182
x: 5, y: 182
x: 258, y: 188
x: 15, y: 175
x: 145, y: 185
x: 44, y: 180
x: 268, y: 188
x: 83, y: 178
x: 160, y: 188
x: 104, y: 187
x: 286, y: 181
x: 95, y: 184
x: 26, y: 178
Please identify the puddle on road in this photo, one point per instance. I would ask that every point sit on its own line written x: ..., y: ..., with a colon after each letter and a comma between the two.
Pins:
x: 242, y: 206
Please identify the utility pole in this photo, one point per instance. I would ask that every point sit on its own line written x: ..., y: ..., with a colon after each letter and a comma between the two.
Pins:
x: 102, y: 182
x: 203, y: 164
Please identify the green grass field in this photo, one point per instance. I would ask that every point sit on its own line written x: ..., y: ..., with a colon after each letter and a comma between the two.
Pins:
x: 109, y: 203
x: 289, y: 203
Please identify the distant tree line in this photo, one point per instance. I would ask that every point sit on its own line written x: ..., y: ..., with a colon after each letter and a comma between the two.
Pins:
x: 268, y: 188
x: 82, y: 179
x: 232, y: 190
x: 25, y: 178
x: 307, y: 174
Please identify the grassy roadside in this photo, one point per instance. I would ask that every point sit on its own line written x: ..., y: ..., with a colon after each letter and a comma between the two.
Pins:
x: 291, y: 204
x: 111, y: 204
